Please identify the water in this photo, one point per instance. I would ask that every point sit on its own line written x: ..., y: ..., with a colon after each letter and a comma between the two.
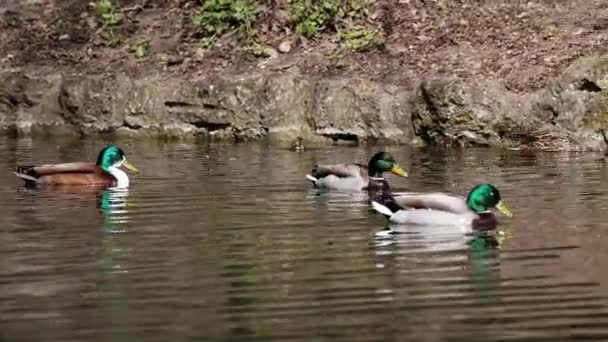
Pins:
x: 228, y: 243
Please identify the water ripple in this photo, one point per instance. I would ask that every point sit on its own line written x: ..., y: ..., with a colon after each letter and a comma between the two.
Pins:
x: 222, y: 242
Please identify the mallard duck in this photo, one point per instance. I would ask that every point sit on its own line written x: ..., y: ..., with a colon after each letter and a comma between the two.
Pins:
x: 298, y: 145
x: 356, y: 176
x: 105, y: 172
x: 441, y: 209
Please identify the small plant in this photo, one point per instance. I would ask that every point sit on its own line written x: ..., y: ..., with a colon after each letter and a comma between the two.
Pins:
x: 138, y: 50
x: 258, y: 50
x: 311, y: 18
x: 57, y: 24
x: 360, y: 39
x: 109, y: 15
x: 216, y: 17
x: 358, y: 8
x: 110, y: 38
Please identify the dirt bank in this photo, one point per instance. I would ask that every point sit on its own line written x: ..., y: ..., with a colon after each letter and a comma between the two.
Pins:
x: 466, y: 72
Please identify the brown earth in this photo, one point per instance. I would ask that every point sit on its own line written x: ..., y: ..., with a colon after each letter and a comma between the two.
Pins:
x: 521, y: 43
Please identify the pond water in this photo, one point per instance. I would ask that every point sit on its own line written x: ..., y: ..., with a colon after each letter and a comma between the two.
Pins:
x: 229, y: 243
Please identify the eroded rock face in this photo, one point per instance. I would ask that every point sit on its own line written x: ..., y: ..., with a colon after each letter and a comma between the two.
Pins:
x: 241, y: 108
x: 452, y: 111
x: 578, y: 100
x: 355, y: 109
x: 565, y: 116
x: 286, y: 104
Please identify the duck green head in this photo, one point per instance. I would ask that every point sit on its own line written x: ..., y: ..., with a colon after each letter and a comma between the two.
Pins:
x: 484, y: 197
x: 383, y: 162
x: 113, y: 156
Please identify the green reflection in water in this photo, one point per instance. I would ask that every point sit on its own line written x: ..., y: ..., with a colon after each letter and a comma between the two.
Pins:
x: 113, y: 260
x: 485, y: 273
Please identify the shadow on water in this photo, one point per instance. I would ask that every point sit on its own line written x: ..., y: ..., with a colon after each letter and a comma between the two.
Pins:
x: 229, y: 243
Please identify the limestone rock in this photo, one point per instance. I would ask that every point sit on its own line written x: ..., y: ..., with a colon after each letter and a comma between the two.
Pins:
x: 282, y: 103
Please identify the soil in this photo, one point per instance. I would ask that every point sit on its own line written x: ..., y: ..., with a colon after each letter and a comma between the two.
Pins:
x: 524, y: 44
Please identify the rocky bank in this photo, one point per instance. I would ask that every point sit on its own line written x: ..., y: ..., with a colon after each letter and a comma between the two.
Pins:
x: 283, y: 99
x: 284, y: 104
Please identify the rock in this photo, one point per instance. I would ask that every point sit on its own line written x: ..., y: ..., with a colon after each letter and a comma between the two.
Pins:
x: 484, y: 113
x: 451, y: 111
x: 257, y: 105
x: 577, y: 100
x: 282, y: 103
x: 285, y: 46
x: 199, y: 54
x: 370, y: 111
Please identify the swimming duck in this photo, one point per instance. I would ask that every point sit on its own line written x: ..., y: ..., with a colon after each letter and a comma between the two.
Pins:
x: 105, y: 172
x: 356, y: 176
x: 298, y: 145
x: 441, y: 209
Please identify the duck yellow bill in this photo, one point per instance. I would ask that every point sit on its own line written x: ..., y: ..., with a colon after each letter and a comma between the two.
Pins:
x: 130, y: 166
x: 396, y: 169
x: 503, y: 209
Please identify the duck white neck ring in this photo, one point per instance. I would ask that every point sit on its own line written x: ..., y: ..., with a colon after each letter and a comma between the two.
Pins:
x: 122, y: 180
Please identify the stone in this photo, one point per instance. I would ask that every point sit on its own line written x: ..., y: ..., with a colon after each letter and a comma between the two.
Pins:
x: 285, y: 46
x: 280, y: 103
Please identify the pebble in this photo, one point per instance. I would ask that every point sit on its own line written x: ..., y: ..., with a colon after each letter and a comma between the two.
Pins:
x: 285, y: 46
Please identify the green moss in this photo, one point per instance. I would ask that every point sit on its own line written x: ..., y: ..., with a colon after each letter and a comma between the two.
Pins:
x: 360, y: 39
x: 216, y: 17
x: 138, y: 50
x: 311, y: 17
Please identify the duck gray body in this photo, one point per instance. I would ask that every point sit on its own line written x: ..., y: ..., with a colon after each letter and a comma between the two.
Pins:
x: 340, y: 177
x: 355, y: 176
x: 442, y: 209
x: 432, y: 209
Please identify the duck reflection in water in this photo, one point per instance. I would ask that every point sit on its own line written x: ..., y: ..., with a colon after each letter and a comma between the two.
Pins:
x: 437, y: 238
x: 112, y: 204
x: 471, y: 259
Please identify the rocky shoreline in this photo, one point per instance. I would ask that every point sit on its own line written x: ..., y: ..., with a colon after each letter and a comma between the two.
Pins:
x: 285, y: 104
x: 499, y: 73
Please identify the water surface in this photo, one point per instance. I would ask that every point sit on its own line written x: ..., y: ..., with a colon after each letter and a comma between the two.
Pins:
x: 229, y: 243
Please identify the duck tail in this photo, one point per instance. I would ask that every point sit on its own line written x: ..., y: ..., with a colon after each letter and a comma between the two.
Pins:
x: 25, y: 169
x: 382, y: 209
x: 312, y: 179
x: 27, y: 173
x: 26, y: 178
